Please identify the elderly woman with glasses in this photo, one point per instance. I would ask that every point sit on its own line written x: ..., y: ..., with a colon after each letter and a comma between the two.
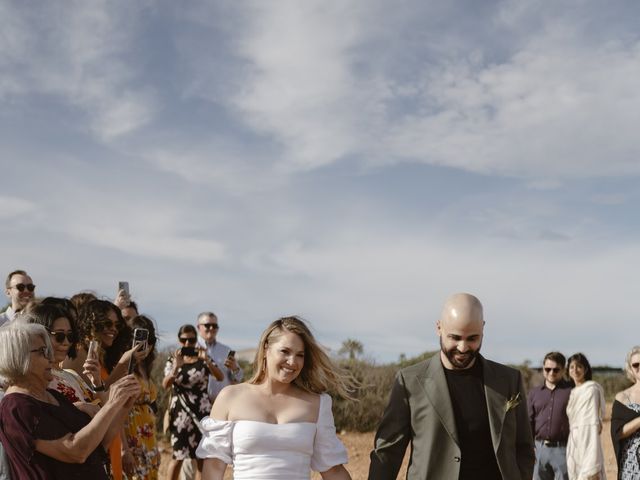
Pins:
x: 625, y: 421
x: 45, y: 436
x: 187, y: 373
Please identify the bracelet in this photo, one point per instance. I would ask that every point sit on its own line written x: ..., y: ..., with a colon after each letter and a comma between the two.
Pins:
x: 101, y: 388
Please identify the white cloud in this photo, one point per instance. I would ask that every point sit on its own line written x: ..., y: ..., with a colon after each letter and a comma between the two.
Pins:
x: 557, y: 105
x: 152, y: 244
x: 15, y: 208
x: 76, y: 51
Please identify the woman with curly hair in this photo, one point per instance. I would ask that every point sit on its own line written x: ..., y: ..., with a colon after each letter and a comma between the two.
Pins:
x: 282, y: 413
x: 140, y: 456
x: 101, y: 320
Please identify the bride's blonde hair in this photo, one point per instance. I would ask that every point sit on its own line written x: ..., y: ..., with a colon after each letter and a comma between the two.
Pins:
x: 318, y: 374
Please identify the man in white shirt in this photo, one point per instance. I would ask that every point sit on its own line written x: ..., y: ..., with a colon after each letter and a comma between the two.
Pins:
x: 19, y: 289
x: 208, y: 327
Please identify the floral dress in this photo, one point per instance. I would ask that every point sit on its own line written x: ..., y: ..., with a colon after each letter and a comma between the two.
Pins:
x: 629, y: 465
x: 140, y: 431
x: 72, y: 386
x: 189, y: 404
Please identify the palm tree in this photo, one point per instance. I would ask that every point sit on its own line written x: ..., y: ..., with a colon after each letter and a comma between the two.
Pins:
x: 352, y: 347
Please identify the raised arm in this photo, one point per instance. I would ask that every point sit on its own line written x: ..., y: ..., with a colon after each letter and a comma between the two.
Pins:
x: 76, y: 447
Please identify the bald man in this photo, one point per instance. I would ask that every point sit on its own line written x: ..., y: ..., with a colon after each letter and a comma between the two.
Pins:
x: 464, y: 416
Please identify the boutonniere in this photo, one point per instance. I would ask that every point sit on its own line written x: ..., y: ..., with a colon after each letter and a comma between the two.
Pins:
x: 513, y: 402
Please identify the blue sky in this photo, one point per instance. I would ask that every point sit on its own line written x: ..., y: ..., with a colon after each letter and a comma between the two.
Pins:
x: 354, y: 162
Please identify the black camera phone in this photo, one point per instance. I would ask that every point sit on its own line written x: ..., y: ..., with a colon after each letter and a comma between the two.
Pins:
x: 188, y: 351
x: 140, y: 337
x: 231, y: 354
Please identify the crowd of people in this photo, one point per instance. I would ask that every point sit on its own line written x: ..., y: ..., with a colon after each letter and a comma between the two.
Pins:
x: 77, y: 401
x: 77, y: 398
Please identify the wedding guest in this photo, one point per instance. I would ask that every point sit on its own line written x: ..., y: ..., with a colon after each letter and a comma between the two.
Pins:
x: 585, y: 410
x: 45, y: 436
x: 625, y: 421
x: 63, y: 334
x: 187, y: 374
x: 283, y: 413
x: 141, y: 459
x: 19, y: 289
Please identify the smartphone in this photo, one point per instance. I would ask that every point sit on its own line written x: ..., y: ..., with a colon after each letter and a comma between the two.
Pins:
x: 231, y: 354
x: 140, y: 337
x: 93, y: 350
x: 124, y: 286
x: 188, y: 351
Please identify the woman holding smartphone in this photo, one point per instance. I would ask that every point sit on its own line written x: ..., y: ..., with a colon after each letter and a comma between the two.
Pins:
x: 140, y: 456
x: 187, y: 373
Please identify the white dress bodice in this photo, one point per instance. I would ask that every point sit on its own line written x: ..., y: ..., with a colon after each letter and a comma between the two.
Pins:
x: 268, y: 451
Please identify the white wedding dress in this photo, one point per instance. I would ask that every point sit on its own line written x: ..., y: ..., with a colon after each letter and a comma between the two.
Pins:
x: 268, y: 451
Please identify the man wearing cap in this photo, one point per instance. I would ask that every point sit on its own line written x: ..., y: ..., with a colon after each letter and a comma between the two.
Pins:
x: 19, y: 288
x: 549, y: 423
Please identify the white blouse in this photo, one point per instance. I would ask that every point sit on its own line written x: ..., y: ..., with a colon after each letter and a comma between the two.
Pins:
x: 268, y: 451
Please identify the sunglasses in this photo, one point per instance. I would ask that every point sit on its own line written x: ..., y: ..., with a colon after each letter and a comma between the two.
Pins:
x: 21, y: 287
x: 44, y: 351
x: 59, y: 336
x: 187, y: 339
x: 635, y: 365
x: 108, y: 325
x: 210, y: 325
x: 549, y: 369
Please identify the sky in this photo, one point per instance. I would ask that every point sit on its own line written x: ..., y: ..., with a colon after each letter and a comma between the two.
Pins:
x: 353, y: 162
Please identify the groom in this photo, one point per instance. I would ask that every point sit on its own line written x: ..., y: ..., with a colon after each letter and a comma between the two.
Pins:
x: 465, y: 416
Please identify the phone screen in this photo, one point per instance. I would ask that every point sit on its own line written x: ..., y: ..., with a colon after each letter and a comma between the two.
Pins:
x: 140, y: 337
x: 93, y: 350
x: 188, y: 351
x: 124, y: 286
x: 232, y: 353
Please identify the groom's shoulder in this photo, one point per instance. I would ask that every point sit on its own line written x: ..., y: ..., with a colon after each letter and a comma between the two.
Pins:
x: 418, y: 368
x: 500, y: 368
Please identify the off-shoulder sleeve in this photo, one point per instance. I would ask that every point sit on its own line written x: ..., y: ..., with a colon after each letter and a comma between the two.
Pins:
x: 216, y: 440
x: 328, y: 450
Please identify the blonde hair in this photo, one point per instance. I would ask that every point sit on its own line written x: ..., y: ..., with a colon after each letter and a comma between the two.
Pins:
x: 318, y: 374
x: 627, y: 364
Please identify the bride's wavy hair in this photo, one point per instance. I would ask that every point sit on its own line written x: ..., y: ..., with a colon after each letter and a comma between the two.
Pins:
x: 318, y: 374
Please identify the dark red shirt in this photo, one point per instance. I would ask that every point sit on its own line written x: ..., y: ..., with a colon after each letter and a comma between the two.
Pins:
x: 23, y: 419
x: 548, y: 412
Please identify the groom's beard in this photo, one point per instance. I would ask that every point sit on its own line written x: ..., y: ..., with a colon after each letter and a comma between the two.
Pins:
x: 458, y: 359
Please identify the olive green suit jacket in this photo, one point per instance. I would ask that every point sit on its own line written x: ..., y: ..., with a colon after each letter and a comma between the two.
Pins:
x: 420, y: 413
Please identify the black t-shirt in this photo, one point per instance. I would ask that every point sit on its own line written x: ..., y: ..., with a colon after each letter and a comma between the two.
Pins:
x: 466, y: 389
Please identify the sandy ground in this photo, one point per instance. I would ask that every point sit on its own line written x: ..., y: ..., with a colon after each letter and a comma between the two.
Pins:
x: 359, y: 445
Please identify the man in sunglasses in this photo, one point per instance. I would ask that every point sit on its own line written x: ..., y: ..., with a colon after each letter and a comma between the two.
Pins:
x: 19, y: 289
x: 208, y: 327
x: 549, y: 423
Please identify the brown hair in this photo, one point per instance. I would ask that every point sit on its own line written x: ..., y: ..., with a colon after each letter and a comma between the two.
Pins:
x: 318, y: 374
x: 7, y: 283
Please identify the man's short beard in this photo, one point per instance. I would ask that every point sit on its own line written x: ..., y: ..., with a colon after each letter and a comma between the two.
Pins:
x: 470, y: 356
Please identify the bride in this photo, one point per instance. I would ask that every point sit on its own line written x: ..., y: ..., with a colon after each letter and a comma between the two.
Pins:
x: 279, y: 424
